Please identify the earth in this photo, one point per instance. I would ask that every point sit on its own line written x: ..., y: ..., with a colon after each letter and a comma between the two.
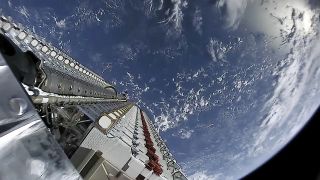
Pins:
x: 228, y: 83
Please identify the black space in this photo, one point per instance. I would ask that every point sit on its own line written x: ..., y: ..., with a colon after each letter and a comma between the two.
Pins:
x: 300, y: 159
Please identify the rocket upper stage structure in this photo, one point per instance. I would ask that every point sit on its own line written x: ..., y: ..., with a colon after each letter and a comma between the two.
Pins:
x: 60, y: 120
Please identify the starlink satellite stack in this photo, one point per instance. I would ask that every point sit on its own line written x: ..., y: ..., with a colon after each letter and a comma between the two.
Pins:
x: 60, y: 120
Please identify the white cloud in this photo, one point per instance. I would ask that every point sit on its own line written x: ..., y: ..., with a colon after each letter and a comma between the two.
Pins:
x: 126, y: 52
x: 149, y: 6
x: 61, y: 23
x: 160, y: 5
x: 292, y: 84
x: 186, y: 104
x: 163, y: 121
x: 153, y: 79
x: 23, y: 10
x: 176, y: 16
x: 135, y: 90
x: 211, y: 50
x: 203, y: 175
x: 10, y: 3
x: 191, y: 96
x: 217, y: 50
x: 203, y: 102
x: 146, y: 88
x: 234, y: 11
x: 197, y: 21
x: 185, y: 134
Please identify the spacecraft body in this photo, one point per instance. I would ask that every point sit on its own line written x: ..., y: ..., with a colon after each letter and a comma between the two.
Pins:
x: 60, y: 120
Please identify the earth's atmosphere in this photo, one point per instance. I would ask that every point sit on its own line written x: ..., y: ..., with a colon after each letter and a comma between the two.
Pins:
x: 227, y: 82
